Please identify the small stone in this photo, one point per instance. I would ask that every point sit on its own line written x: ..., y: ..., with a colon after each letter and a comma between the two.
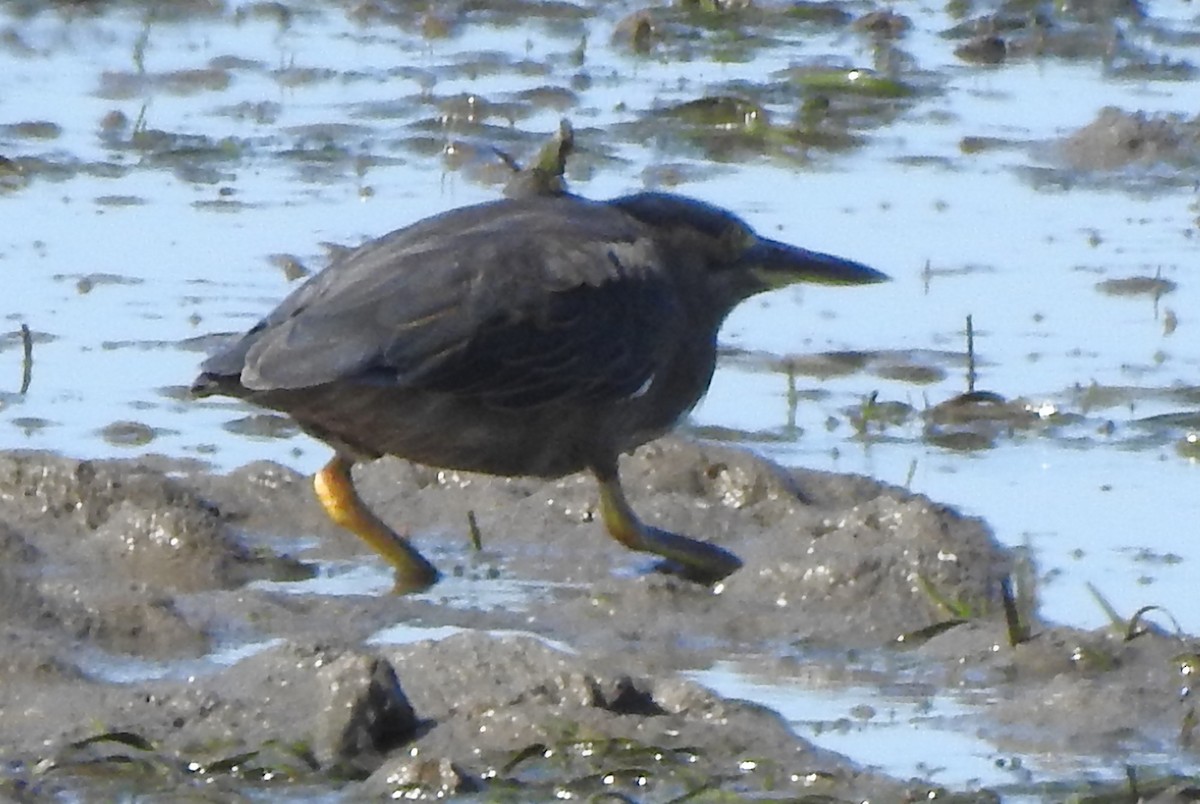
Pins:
x: 364, y: 715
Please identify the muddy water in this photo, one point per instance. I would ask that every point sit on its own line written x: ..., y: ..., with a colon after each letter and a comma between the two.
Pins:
x: 159, y: 160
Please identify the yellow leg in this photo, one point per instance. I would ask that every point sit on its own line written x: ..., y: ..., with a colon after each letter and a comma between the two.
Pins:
x: 698, y: 561
x: 335, y: 490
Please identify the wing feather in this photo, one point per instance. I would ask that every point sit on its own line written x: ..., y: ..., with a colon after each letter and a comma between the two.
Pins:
x: 519, y: 302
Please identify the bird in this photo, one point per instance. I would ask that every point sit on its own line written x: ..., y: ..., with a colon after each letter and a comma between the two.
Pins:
x: 538, y: 335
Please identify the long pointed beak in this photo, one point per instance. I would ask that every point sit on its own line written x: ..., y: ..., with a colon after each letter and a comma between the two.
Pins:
x: 777, y: 264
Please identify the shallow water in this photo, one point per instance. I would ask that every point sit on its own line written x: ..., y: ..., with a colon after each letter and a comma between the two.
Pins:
x: 121, y: 255
x: 847, y: 718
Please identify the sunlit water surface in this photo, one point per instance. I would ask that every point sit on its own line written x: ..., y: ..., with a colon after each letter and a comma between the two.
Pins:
x: 111, y: 274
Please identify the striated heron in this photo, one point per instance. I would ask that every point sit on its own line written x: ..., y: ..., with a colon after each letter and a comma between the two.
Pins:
x: 537, y: 335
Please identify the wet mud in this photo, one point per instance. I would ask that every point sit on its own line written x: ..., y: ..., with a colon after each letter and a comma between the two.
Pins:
x: 167, y: 628
x: 170, y: 631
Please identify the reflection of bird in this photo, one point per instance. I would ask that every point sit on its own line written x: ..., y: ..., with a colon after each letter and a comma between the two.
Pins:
x: 537, y: 335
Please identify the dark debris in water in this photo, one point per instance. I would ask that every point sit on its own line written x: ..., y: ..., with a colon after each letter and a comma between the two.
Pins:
x: 1077, y: 416
x: 125, y: 86
x: 129, y: 434
x: 1116, y: 139
x: 1153, y: 286
x: 721, y: 31
x: 1134, y: 152
x: 853, y: 81
x: 31, y: 130
x: 884, y: 23
x: 1068, y: 31
x: 86, y: 283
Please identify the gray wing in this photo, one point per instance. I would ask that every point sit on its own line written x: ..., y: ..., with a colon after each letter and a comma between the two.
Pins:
x: 517, y: 302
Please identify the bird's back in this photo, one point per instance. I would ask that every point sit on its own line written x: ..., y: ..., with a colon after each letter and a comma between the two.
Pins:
x: 409, y: 299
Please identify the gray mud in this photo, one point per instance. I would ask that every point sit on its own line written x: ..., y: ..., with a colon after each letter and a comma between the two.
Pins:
x: 167, y: 628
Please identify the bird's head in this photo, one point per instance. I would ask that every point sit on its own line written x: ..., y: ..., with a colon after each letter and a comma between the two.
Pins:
x: 713, y: 252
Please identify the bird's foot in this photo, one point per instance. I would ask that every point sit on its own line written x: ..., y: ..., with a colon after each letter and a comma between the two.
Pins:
x: 690, y: 559
x: 408, y: 580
